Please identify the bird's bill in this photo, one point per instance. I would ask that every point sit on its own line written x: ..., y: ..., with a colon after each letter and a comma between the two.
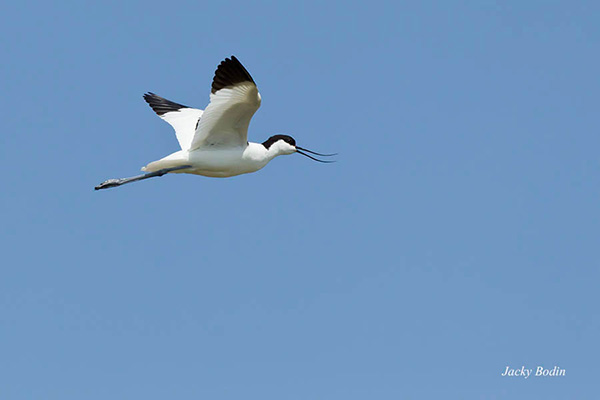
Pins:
x: 302, y: 150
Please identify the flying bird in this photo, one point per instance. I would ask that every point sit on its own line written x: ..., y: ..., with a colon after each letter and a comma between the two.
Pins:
x: 214, y: 141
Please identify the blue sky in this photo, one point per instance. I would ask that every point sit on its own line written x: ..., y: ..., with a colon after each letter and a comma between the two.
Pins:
x: 457, y: 235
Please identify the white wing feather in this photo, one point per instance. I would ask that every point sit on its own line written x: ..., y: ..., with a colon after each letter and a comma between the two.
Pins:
x: 225, y: 121
x: 184, y: 122
x: 233, y: 101
x: 182, y: 118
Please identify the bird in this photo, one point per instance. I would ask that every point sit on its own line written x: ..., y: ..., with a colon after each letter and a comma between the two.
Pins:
x: 214, y: 141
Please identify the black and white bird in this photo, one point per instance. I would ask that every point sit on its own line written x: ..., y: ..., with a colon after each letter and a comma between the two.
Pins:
x: 214, y: 141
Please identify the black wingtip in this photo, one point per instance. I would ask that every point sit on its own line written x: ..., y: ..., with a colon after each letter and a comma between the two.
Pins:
x: 229, y: 72
x: 160, y: 105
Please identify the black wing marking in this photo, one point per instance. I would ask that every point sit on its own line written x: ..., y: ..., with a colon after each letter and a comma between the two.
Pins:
x: 228, y: 73
x: 160, y: 105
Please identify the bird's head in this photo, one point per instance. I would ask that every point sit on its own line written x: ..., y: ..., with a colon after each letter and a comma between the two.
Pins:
x: 284, y: 145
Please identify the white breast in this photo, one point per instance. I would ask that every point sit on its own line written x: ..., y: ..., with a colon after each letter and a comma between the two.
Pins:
x: 216, y: 162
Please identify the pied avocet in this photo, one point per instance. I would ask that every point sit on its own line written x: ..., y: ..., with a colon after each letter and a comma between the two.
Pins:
x: 214, y: 141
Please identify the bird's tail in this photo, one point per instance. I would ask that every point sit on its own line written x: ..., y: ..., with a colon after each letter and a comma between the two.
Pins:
x: 171, y: 161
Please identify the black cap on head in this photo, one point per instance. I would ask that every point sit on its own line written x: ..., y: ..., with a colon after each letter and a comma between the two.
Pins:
x: 288, y: 139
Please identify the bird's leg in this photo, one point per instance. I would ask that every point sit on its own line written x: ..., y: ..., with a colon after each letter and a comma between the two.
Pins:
x: 118, y: 182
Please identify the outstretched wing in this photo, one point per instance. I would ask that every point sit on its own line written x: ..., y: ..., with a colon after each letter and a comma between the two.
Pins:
x: 234, y: 99
x: 182, y: 118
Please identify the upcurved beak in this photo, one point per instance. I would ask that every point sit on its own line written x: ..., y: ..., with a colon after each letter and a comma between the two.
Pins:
x: 302, y: 151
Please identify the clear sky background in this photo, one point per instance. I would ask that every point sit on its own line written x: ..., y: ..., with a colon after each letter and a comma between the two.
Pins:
x: 457, y: 234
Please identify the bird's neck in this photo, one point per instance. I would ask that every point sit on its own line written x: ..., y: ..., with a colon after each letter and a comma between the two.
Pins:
x: 258, y: 150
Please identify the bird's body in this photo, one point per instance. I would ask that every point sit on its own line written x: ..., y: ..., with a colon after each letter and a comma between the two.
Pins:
x: 214, y: 141
x: 217, y: 162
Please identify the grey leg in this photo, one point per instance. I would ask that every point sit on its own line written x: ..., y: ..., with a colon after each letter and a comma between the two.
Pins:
x: 118, y: 182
